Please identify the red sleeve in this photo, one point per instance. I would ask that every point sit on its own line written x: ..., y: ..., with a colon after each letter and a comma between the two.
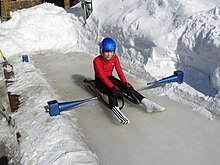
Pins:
x: 97, y: 64
x: 119, y: 70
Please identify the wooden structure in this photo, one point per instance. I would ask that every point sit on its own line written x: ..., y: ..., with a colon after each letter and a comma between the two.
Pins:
x: 9, y: 5
x: 13, y: 5
x: 63, y: 3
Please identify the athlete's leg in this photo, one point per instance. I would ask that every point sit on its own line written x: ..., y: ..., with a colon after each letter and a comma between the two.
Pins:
x: 149, y: 105
x: 113, y: 103
x: 104, y: 89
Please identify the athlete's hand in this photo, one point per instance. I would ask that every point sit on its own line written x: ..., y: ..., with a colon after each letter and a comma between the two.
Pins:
x: 128, y: 88
x: 127, y: 85
x: 116, y: 92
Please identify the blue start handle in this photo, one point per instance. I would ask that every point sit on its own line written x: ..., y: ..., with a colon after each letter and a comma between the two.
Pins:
x: 55, y: 108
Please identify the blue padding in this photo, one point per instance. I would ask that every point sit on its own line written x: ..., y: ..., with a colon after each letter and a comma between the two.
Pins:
x: 53, y: 108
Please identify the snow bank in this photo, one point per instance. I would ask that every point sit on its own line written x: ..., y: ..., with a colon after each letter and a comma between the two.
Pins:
x: 42, y: 137
x: 8, y: 143
x: 198, y: 54
x: 216, y: 80
x: 199, y: 46
x: 40, y: 28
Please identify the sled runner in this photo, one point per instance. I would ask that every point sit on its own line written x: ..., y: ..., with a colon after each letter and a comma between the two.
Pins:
x: 90, y: 84
x: 116, y: 111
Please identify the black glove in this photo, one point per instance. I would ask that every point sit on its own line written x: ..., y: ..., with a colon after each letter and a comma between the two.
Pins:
x: 128, y: 88
x: 116, y: 92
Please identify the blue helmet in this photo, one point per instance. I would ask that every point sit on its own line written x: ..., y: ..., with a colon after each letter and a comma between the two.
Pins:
x: 108, y: 44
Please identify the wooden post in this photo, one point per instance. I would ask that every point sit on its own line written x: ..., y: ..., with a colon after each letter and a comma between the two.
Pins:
x: 6, y: 8
x: 6, y: 5
x: 66, y: 4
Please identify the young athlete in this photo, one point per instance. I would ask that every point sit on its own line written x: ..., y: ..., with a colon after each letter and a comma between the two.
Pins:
x: 112, y: 86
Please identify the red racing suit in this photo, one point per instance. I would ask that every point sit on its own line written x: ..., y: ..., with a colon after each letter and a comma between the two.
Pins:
x: 104, y: 68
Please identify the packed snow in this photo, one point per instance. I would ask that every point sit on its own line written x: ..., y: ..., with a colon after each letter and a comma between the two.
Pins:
x: 154, y: 38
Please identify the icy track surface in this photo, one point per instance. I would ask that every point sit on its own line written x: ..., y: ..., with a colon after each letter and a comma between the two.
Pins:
x: 176, y: 136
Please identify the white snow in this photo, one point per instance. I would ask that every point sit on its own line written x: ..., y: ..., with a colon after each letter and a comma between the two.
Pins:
x: 154, y: 38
